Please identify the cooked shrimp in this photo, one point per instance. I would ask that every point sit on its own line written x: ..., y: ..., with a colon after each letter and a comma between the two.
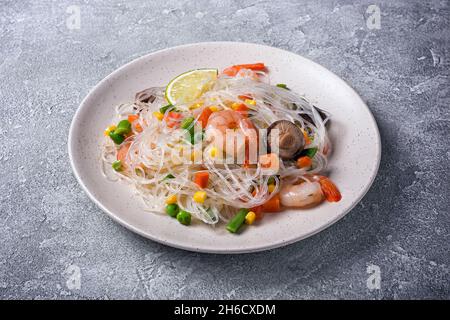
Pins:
x: 309, y: 193
x: 221, y: 121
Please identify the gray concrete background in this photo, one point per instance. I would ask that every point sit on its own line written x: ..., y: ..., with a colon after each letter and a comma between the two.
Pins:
x: 49, y: 228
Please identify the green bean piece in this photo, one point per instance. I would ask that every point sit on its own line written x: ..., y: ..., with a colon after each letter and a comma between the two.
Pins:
x: 117, y: 138
x: 311, y: 152
x: 169, y: 176
x: 184, y: 217
x: 237, y: 221
x: 172, y: 210
x: 123, y: 127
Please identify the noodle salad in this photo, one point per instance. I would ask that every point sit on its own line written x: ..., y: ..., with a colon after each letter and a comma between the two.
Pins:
x: 221, y: 146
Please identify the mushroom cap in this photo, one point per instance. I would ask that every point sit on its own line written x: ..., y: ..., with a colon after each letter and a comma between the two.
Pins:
x: 291, y: 140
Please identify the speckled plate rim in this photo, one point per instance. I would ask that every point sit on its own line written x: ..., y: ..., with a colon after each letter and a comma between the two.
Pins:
x: 179, y: 245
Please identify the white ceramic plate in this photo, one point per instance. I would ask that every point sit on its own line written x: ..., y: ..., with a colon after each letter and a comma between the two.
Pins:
x: 353, y: 131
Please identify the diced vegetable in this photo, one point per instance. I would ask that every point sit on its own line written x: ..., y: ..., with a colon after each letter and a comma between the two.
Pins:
x: 213, y: 152
x: 117, y: 138
x: 184, y: 217
x: 117, y: 165
x: 123, y: 127
x: 199, y: 196
x: 204, y: 116
x: 306, y: 137
x: 271, y: 180
x: 172, y: 210
x: 237, y: 221
x: 109, y: 129
x: 165, y: 108
x: 271, y: 188
x: 283, y: 86
x: 250, y: 102
x: 132, y: 117
x: 171, y: 199
x: 201, y: 179
x: 250, y: 218
x: 304, y: 162
x: 273, y: 204
x: 311, y: 152
x: 158, y: 115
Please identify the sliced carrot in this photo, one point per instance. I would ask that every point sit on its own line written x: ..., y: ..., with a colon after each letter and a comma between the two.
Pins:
x: 204, y: 116
x: 329, y: 189
x: 307, y: 139
x: 273, y: 204
x: 304, y: 162
x: 201, y: 179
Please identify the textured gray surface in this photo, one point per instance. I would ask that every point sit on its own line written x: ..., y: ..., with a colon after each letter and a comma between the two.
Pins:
x: 48, y: 224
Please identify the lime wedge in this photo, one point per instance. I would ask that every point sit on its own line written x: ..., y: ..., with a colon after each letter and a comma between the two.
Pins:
x: 189, y: 86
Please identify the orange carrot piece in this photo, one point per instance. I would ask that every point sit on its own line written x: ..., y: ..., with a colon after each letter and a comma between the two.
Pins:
x: 132, y: 117
x: 273, y: 204
x: 307, y: 139
x: 329, y: 189
x: 201, y: 179
x: 304, y: 162
x: 242, y: 109
x: 204, y: 116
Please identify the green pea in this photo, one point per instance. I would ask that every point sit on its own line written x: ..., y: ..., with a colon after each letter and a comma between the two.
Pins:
x: 117, y: 165
x: 123, y: 127
x: 184, y: 217
x: 172, y: 210
x: 117, y: 138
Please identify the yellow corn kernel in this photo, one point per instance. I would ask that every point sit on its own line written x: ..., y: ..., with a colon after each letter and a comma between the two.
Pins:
x: 235, y: 105
x: 199, y: 196
x: 271, y: 187
x: 196, y: 105
x: 214, y: 108
x: 250, y: 102
x: 171, y: 199
x: 158, y: 115
x: 213, y: 152
x: 195, y: 155
x: 109, y: 129
x: 250, y: 217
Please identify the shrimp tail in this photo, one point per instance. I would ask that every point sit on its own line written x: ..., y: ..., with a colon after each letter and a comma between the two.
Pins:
x: 329, y: 189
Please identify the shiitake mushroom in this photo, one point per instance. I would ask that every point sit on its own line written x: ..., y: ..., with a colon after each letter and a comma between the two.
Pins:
x: 290, y: 138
